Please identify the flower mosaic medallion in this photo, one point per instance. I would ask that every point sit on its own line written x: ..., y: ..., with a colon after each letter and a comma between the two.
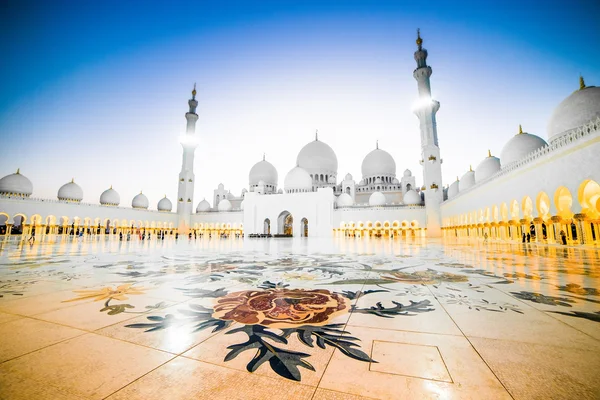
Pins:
x: 293, y: 314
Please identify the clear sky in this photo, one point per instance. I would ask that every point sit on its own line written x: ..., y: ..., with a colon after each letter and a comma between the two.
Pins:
x: 97, y: 90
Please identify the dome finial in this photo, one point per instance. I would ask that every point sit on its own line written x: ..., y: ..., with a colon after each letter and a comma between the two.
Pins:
x: 111, y: 186
x: 520, y: 129
x: 470, y: 168
x: 317, y: 135
x: 194, y: 92
x: 377, y: 144
x: 456, y: 178
x: 419, y: 40
x: 263, y: 156
x: 18, y: 171
x: 72, y: 180
x: 581, y: 83
x: 489, y: 153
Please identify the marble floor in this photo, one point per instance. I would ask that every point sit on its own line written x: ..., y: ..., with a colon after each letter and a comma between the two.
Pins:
x: 298, y: 319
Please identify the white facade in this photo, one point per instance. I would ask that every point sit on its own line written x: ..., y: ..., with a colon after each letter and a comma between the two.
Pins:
x: 549, y: 191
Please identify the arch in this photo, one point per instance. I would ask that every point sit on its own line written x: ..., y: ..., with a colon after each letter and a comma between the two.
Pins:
x: 267, y: 226
x: 515, y: 211
x: 542, y: 204
x: 504, y: 212
x: 285, y: 223
x: 495, y: 213
x: 527, y: 206
x: 36, y: 219
x: 563, y: 202
x: 588, y: 195
x: 304, y: 229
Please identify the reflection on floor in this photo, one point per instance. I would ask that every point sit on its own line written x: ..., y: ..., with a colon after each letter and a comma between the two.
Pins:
x: 305, y: 318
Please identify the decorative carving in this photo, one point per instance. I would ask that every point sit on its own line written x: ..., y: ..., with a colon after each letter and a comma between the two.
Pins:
x: 432, y: 158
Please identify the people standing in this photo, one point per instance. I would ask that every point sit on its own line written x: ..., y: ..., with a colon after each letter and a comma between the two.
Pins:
x: 524, y: 237
x: 528, y: 238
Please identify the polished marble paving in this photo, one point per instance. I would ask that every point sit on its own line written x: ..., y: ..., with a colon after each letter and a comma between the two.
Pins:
x: 298, y: 318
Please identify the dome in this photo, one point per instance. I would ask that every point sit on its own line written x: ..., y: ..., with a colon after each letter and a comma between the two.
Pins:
x: 298, y: 180
x: 140, y: 201
x: 348, y: 177
x: 407, y: 173
x: 224, y: 205
x: 242, y: 205
x: 203, y: 206
x: 377, y: 199
x: 164, y: 204
x: 317, y: 157
x: 396, y: 181
x: 519, y: 146
x: 488, y: 167
x: 70, y: 192
x: 263, y: 171
x: 110, y: 197
x: 412, y: 198
x: 16, y: 185
x: 280, y: 191
x: 581, y: 107
x: 453, y: 189
x: 378, y: 163
x: 344, y: 200
x: 467, y: 180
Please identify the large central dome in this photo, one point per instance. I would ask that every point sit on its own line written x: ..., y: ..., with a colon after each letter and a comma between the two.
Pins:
x: 317, y: 157
x: 378, y: 163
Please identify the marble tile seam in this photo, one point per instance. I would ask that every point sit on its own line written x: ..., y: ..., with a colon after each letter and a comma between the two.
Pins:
x: 479, y: 354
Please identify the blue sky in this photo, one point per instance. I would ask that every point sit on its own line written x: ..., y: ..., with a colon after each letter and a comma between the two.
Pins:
x: 98, y: 90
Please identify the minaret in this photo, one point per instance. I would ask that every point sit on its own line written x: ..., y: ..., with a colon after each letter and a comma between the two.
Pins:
x: 431, y: 161
x: 185, y: 188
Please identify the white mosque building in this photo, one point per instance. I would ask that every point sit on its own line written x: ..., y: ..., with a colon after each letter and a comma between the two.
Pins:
x: 545, y: 189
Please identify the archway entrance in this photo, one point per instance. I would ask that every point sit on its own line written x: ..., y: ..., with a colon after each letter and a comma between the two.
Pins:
x: 267, y: 227
x: 304, y: 227
x: 285, y: 223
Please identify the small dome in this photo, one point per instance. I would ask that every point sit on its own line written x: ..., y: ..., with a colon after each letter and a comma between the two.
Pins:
x: 519, y: 146
x: 263, y: 171
x: 407, y: 173
x: 164, y: 204
x: 16, y: 185
x: 377, y: 199
x: 581, y: 107
x: 317, y: 157
x: 298, y: 180
x: 361, y: 183
x: 395, y: 181
x: 412, y: 198
x: 242, y: 205
x: 378, y: 180
x: 110, y: 197
x: 488, y: 167
x: 280, y: 191
x: 378, y: 163
x: 140, y: 201
x: 344, y: 200
x: 467, y: 180
x: 453, y: 189
x: 348, y: 177
x: 224, y: 205
x: 70, y: 192
x: 203, y: 206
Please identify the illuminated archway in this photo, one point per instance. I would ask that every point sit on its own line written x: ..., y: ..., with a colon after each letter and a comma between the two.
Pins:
x: 563, y: 202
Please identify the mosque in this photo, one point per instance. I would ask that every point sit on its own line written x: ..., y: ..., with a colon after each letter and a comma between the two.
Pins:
x: 542, y: 190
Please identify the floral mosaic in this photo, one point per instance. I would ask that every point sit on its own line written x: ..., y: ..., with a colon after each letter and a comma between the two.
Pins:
x: 284, y: 308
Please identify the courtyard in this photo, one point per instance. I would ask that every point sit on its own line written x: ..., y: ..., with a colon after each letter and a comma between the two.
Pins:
x: 303, y: 318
